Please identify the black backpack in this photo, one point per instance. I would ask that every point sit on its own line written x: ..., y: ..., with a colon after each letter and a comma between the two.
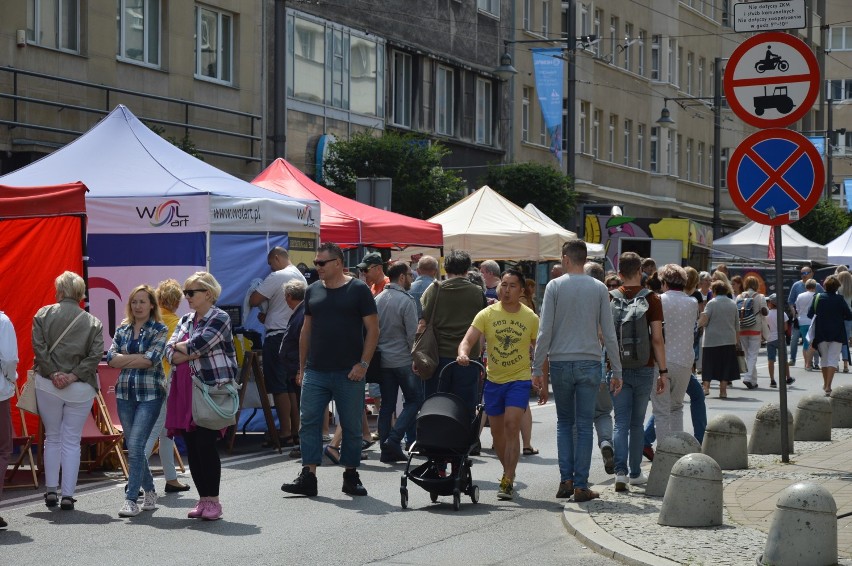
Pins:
x: 632, y: 328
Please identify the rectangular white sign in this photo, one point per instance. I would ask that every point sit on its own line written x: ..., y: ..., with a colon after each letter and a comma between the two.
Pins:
x: 769, y: 15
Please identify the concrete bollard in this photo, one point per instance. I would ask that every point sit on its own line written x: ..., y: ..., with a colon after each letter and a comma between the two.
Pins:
x: 694, y: 493
x: 841, y: 407
x: 813, y: 418
x: 803, y: 528
x: 669, y: 451
x: 766, y: 432
x: 726, y: 442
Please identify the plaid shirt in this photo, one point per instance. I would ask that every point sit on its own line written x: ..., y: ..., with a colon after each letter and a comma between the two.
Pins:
x: 146, y: 384
x: 211, y: 338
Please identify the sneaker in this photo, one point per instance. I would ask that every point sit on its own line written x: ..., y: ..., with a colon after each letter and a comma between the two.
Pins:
x: 149, y: 501
x: 641, y: 479
x: 648, y: 452
x: 566, y: 490
x: 304, y: 484
x: 507, y: 489
x: 352, y: 483
x: 791, y: 380
x: 3, y: 524
x: 608, y: 457
x: 129, y: 509
x: 791, y: 363
x: 197, y: 511
x: 621, y: 482
x: 582, y: 495
x: 212, y: 511
x: 391, y: 452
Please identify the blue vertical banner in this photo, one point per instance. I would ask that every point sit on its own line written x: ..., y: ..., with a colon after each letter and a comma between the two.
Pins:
x: 847, y: 190
x: 819, y: 143
x: 549, y: 83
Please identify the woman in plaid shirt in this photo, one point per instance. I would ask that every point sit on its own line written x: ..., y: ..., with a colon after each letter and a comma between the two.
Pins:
x: 202, y: 345
x: 137, y: 348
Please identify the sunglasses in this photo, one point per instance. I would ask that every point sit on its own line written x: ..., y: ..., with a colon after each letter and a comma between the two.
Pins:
x: 191, y: 292
x: 806, y: 273
x: 321, y: 263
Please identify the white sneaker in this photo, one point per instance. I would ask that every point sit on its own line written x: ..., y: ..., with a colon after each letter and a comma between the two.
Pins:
x: 129, y: 509
x: 641, y: 480
x: 621, y: 482
x: 149, y: 503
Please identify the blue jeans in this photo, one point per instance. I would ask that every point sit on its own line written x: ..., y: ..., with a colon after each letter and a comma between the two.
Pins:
x: 167, y: 446
x: 137, y: 420
x: 318, y: 389
x: 697, y: 410
x: 630, y: 406
x: 575, y: 386
x: 394, y: 379
x: 458, y: 380
x: 845, y: 348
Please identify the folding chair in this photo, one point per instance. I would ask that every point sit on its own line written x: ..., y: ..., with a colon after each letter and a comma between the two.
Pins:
x: 24, y: 443
x: 107, y: 437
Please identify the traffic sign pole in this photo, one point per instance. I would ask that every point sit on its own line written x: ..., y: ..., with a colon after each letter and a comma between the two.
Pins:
x: 783, y: 369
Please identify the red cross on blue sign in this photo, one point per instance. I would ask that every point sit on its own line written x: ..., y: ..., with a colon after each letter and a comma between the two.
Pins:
x: 775, y: 176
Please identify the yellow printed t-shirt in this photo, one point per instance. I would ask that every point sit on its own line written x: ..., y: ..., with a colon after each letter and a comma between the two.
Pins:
x: 507, y: 338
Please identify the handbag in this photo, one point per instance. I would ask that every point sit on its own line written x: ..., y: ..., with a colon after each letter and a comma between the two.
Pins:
x: 27, y: 397
x: 214, y: 407
x: 374, y: 370
x: 424, y: 353
x: 741, y: 360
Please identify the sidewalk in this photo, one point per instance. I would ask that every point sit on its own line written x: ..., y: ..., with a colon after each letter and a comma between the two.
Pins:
x: 624, y: 525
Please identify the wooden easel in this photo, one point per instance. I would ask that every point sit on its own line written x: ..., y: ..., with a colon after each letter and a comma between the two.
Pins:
x: 252, y: 365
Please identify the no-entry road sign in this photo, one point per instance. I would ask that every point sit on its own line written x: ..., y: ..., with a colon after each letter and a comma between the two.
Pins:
x: 775, y: 176
x: 772, y: 80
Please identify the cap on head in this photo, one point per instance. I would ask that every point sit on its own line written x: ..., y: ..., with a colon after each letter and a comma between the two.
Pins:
x: 372, y: 258
x: 773, y: 298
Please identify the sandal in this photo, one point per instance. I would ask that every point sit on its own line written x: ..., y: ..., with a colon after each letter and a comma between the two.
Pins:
x: 329, y: 453
x: 365, y: 444
x: 51, y: 499
x: 67, y: 503
x: 530, y: 451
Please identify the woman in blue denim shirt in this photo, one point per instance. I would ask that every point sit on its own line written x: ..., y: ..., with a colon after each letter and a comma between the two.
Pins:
x: 137, y: 349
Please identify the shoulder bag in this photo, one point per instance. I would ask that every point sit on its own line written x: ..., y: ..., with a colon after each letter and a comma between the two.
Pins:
x: 214, y: 407
x: 27, y: 396
x: 424, y: 353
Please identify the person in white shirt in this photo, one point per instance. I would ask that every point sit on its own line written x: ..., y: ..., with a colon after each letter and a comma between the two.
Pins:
x: 8, y: 377
x: 772, y: 338
x: 803, y: 303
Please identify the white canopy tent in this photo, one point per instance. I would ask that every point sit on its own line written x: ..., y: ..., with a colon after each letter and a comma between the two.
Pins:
x: 840, y: 248
x: 533, y: 210
x: 752, y: 242
x: 490, y: 226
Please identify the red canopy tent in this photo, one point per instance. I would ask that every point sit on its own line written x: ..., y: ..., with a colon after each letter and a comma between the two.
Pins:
x: 42, y: 234
x: 347, y: 222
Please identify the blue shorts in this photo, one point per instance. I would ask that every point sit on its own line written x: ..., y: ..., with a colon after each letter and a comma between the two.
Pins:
x: 498, y: 396
x: 771, y: 351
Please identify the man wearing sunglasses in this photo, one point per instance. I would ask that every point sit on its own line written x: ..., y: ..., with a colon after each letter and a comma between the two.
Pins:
x: 797, y: 289
x: 339, y: 336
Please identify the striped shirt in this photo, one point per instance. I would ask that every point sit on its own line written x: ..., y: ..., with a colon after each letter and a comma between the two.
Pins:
x: 211, y: 337
x: 141, y: 384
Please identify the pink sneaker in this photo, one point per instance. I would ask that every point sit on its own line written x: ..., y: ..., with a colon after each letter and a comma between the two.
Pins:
x: 198, y: 511
x: 212, y: 511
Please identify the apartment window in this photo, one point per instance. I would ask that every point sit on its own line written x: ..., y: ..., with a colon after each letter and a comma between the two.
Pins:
x: 490, y: 6
x: 585, y: 25
x: 689, y: 60
x: 655, y: 149
x: 707, y: 7
x: 596, y: 133
x: 525, y: 115
x: 545, y: 18
x: 701, y: 76
x: 711, y: 170
x: 712, y: 76
x: 139, y: 28
x: 484, y: 115
x: 669, y: 151
x: 840, y: 38
x: 584, y: 126
x: 338, y: 97
x: 839, y: 89
x: 54, y: 24
x: 363, y: 91
x: 726, y: 15
x: 308, y: 61
x: 627, y: 141
x: 628, y: 46
x: 699, y: 161
x: 444, y: 101
x: 610, y: 143
x: 723, y: 162
x: 596, y: 30
x: 214, y: 44
x: 671, y: 53
x: 528, y: 15
x: 401, y: 86
x: 640, y: 146
x: 688, y: 160
x: 613, y: 39
x: 678, y: 66
x: 640, y: 58
x: 655, y: 57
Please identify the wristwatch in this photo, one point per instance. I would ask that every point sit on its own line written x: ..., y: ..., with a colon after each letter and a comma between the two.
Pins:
x: 663, y: 372
x: 364, y: 364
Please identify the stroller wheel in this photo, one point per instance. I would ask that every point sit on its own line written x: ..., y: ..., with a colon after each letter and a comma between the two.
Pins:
x: 433, y: 497
x: 456, y: 500
x: 403, y: 498
x: 474, y: 494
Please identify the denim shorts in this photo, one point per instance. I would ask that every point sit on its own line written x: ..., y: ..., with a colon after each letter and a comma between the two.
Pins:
x: 498, y: 396
x: 771, y: 351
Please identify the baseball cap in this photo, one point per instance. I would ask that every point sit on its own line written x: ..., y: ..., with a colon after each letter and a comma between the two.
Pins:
x: 372, y: 258
x: 773, y: 298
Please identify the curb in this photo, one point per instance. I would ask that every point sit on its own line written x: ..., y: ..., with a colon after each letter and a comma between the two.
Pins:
x: 579, y: 523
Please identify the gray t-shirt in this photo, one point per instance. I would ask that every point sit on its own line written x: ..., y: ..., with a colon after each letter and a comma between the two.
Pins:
x: 723, y: 322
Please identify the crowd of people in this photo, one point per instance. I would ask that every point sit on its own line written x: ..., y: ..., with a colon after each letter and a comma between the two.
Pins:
x: 607, y: 343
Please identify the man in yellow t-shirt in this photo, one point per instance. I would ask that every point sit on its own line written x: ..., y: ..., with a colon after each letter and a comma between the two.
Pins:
x: 509, y: 328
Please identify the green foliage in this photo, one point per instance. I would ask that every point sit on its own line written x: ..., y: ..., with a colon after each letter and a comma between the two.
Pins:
x: 824, y: 223
x: 551, y: 191
x: 184, y: 143
x: 421, y: 187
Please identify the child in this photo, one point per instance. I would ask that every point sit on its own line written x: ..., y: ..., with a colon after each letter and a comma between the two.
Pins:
x: 772, y: 340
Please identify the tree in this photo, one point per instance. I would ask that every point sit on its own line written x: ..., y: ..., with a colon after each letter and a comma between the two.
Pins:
x: 549, y: 190
x: 824, y: 223
x: 184, y: 143
x: 421, y: 187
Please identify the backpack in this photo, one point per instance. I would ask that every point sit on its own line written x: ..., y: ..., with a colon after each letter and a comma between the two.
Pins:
x: 745, y: 308
x: 632, y: 328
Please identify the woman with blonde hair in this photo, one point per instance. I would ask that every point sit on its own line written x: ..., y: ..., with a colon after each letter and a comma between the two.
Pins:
x: 719, y: 276
x: 845, y: 291
x: 68, y: 344
x: 137, y: 349
x: 202, y: 345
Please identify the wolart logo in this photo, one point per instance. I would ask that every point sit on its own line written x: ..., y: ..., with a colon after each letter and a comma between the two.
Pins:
x: 307, y: 214
x: 166, y: 213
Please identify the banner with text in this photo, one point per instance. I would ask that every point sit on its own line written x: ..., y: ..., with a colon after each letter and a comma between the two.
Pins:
x: 549, y: 83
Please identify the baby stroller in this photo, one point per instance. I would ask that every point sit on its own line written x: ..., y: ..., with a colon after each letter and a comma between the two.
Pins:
x: 445, y: 435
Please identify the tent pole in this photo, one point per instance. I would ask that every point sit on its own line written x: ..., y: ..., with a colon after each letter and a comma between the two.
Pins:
x: 85, y: 250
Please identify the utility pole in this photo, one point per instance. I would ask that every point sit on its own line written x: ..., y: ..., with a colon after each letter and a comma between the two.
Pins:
x: 279, y: 87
